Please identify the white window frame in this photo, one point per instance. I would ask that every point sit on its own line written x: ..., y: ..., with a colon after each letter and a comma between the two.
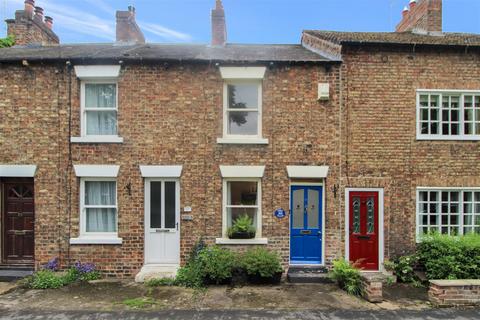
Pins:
x: 460, y: 190
x: 95, y: 237
x: 440, y: 136
x: 258, y: 232
x: 242, y: 75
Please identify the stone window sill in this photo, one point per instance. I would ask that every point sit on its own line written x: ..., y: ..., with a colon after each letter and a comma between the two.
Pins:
x: 241, y: 241
x: 242, y: 141
x: 97, y: 139
x: 96, y: 240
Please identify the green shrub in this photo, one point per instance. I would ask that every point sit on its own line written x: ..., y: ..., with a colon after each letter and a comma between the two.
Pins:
x: 45, y: 279
x: 190, y: 275
x: 450, y: 257
x: 216, y: 264
x: 261, y: 262
x: 7, y: 42
x: 347, y: 276
x: 159, y: 282
x: 404, y: 269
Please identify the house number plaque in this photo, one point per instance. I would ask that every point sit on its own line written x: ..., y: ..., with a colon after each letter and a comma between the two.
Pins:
x: 279, y: 213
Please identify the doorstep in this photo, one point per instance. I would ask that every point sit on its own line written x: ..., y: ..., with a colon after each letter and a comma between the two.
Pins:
x: 308, y: 274
x: 15, y: 272
x: 156, y: 271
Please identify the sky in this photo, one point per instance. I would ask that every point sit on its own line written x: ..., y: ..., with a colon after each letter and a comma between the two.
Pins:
x: 248, y: 21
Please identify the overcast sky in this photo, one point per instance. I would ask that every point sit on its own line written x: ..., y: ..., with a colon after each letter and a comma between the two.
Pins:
x: 248, y: 21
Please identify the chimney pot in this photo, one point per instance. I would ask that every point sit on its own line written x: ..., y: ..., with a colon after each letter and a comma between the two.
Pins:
x: 412, y: 4
x: 49, y: 22
x: 422, y: 15
x: 29, y: 8
x: 405, y: 11
x: 38, y: 14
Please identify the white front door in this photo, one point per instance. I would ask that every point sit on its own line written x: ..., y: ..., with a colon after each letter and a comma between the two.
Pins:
x: 162, y: 222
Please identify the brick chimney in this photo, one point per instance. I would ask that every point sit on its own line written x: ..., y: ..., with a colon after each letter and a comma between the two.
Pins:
x: 29, y: 26
x: 127, y: 28
x: 422, y: 15
x: 219, y: 27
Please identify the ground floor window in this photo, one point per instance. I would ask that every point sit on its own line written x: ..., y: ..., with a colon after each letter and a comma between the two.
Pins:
x: 242, y: 198
x: 452, y: 212
x: 98, y: 206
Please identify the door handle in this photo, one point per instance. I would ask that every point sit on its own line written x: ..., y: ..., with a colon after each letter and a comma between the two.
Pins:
x: 176, y: 225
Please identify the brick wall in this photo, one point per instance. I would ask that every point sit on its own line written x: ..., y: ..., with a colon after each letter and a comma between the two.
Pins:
x: 167, y: 115
x: 447, y: 293
x: 379, y: 146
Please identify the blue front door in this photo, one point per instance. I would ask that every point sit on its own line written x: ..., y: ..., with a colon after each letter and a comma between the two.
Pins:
x: 306, y: 218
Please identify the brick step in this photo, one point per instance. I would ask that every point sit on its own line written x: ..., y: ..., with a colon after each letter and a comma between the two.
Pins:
x: 19, y: 267
x: 308, y: 274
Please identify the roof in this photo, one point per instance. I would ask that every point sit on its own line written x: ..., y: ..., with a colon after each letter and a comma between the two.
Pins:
x: 398, y: 38
x: 162, y: 52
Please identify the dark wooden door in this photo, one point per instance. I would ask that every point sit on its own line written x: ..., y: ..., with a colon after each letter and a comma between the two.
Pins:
x: 18, y: 222
x: 363, y: 227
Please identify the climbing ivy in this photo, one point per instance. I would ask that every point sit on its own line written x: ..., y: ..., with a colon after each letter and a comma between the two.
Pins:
x: 7, y: 42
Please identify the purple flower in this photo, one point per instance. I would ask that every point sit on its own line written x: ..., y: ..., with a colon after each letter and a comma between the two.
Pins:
x: 84, y: 267
x: 52, y: 264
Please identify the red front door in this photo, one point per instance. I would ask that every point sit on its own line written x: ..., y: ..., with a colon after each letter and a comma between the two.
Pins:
x: 363, y: 229
x: 18, y: 222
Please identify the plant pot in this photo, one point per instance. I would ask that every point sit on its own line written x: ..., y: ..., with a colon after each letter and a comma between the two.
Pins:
x: 242, y: 235
x: 258, y: 279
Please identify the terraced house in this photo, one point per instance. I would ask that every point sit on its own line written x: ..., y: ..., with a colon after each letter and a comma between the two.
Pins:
x: 346, y: 145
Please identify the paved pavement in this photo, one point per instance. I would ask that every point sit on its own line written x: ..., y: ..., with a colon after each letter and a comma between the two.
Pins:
x: 246, y: 315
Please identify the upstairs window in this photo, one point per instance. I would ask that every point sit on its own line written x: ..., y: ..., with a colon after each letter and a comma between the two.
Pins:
x: 448, y: 115
x: 100, y: 108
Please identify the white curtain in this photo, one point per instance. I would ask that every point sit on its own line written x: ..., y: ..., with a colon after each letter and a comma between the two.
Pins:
x: 101, y: 96
x: 101, y: 193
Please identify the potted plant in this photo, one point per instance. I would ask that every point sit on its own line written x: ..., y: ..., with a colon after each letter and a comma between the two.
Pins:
x: 242, y: 228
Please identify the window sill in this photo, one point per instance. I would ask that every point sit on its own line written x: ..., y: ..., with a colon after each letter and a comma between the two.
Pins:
x: 447, y: 138
x: 241, y: 241
x: 97, y: 139
x: 96, y: 240
x: 242, y: 141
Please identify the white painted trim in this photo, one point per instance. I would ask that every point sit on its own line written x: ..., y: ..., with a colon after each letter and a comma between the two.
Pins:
x: 82, y: 214
x: 381, y: 231
x: 258, y: 227
x: 242, y: 171
x: 241, y: 241
x: 243, y: 72
x: 161, y: 171
x: 97, y: 71
x: 245, y: 140
x: 101, y: 171
x: 307, y: 184
x: 96, y: 240
x: 84, y: 109
x: 447, y: 188
x: 447, y: 91
x: 461, y: 120
x: 18, y: 171
x: 239, y: 138
x: 312, y: 172
x: 97, y: 139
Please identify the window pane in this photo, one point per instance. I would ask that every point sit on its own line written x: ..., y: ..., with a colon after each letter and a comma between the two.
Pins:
x: 370, y: 215
x: 100, y: 193
x: 424, y: 100
x: 170, y: 205
x: 243, y: 122
x: 242, y: 193
x: 101, y: 122
x: 424, y: 114
x: 234, y: 213
x: 298, y: 209
x: 241, y: 96
x: 100, y: 95
x: 101, y: 220
x: 313, y: 208
x: 155, y: 204
x: 356, y: 215
x: 423, y: 196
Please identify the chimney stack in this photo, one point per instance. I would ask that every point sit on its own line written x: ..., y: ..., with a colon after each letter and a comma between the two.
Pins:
x: 423, y: 16
x: 29, y: 26
x: 29, y: 8
x: 219, y: 26
x: 127, y: 28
